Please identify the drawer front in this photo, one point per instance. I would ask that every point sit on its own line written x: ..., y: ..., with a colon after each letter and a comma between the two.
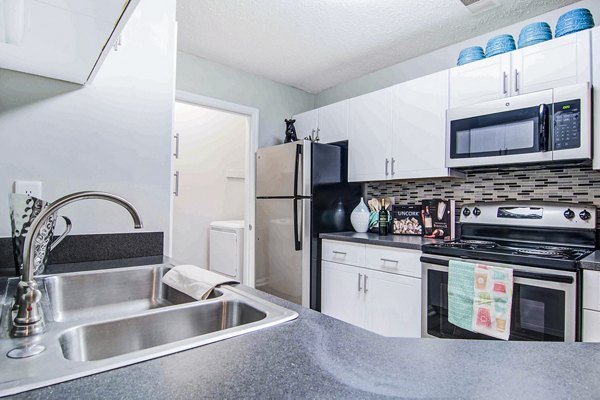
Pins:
x: 591, y: 326
x: 591, y: 290
x: 397, y: 261
x: 343, y: 252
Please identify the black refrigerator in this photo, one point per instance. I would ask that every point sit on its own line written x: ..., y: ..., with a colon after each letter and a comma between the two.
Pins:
x: 302, y: 190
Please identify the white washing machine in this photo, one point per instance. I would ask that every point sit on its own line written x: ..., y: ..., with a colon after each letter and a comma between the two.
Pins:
x: 226, y: 252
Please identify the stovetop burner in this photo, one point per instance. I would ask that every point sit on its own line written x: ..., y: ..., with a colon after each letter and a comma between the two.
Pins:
x: 527, y: 254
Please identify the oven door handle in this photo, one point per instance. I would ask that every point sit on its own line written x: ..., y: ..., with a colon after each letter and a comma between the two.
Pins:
x: 517, y: 274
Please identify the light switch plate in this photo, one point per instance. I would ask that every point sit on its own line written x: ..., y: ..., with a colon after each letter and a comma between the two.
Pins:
x: 31, y: 188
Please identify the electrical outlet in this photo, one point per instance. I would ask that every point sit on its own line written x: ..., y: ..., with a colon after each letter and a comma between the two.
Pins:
x: 31, y: 188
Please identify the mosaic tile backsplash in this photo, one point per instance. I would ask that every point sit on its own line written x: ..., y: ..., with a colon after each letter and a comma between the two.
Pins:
x: 563, y: 184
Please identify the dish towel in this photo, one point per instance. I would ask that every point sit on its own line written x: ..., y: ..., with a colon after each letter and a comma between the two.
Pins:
x: 480, y: 298
x: 194, y: 281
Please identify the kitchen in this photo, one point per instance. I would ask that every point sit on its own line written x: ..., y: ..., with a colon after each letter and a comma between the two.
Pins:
x: 94, y: 131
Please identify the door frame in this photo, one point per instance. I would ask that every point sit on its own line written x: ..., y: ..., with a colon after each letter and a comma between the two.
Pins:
x: 251, y: 147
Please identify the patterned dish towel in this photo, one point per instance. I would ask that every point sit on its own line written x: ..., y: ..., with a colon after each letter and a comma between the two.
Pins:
x: 480, y: 298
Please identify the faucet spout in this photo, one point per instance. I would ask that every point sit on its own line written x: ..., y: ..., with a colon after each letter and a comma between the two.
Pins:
x: 29, y: 320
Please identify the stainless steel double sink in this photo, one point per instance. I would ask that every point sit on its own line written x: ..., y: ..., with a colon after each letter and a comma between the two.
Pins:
x: 106, y: 319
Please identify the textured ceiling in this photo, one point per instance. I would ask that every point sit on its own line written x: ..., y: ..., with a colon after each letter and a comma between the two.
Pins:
x: 317, y: 44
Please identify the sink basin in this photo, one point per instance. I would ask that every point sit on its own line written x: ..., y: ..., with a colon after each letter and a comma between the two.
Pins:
x: 101, y: 320
x: 109, y: 339
x: 96, y: 294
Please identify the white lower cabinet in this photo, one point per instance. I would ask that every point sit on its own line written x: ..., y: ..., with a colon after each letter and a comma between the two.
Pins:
x: 591, y: 306
x: 340, y: 294
x: 386, y: 303
x: 591, y: 326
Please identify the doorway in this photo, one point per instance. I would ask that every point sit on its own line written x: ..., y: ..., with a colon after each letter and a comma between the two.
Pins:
x: 213, y: 168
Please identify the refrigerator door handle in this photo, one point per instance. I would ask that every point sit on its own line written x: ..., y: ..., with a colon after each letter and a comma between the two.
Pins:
x: 297, y: 241
x: 296, y: 172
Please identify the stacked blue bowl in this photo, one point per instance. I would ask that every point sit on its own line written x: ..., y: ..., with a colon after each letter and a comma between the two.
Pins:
x: 470, y: 54
x: 499, y: 44
x: 534, y: 33
x: 574, y: 21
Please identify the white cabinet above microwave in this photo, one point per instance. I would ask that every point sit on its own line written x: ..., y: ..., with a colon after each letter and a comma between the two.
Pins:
x: 60, y: 39
x: 558, y: 62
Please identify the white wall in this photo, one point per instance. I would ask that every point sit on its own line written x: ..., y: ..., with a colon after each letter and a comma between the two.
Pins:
x: 274, y: 100
x: 212, y: 149
x: 113, y: 135
x: 438, y: 60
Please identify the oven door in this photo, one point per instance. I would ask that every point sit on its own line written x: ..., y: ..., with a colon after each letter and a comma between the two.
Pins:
x: 543, y: 309
x: 507, y: 131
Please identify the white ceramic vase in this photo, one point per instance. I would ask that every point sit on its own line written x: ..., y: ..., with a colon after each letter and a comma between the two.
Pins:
x: 360, y: 217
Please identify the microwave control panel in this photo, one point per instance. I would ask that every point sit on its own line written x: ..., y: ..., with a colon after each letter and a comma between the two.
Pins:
x: 567, y: 125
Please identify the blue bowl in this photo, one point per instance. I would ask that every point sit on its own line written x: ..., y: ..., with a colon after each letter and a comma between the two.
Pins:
x: 500, y: 43
x: 470, y: 54
x: 574, y: 21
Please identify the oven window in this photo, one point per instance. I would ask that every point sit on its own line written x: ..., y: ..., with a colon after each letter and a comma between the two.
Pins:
x: 509, y: 132
x: 537, y: 313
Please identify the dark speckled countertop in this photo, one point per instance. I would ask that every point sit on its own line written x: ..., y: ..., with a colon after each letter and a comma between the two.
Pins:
x: 400, y: 241
x: 591, y: 262
x: 316, y: 356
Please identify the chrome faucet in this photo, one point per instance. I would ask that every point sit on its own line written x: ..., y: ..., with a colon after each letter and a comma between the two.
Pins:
x: 30, y: 318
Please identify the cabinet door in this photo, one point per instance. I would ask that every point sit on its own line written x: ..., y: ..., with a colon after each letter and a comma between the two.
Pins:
x: 419, y: 127
x: 392, y: 304
x: 559, y: 62
x: 480, y: 81
x: 333, y: 122
x: 341, y: 292
x: 369, y: 136
x: 306, y: 124
x: 596, y: 93
x: 591, y: 326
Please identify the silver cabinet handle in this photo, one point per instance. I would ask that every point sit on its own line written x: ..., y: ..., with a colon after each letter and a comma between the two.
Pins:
x: 317, y: 138
x: 365, y: 289
x: 359, y: 276
x: 393, y: 162
x: 387, y: 162
x: 176, y: 154
x: 516, y: 80
x: 176, y: 191
x: 339, y: 252
x: 389, y: 260
x: 504, y: 81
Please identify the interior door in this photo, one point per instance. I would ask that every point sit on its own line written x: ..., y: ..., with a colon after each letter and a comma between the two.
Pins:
x: 555, y: 63
x: 480, y: 81
x: 419, y: 127
x: 392, y: 304
x: 279, y: 264
x: 341, y: 292
x: 370, y: 136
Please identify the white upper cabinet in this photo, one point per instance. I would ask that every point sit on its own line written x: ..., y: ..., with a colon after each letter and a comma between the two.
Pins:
x: 60, y: 39
x: 596, y: 94
x: 306, y: 124
x: 419, y: 127
x: 559, y: 62
x: 480, y: 81
x: 370, y: 136
x: 333, y: 122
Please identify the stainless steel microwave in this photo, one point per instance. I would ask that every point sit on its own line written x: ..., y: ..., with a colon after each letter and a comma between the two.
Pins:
x: 546, y: 126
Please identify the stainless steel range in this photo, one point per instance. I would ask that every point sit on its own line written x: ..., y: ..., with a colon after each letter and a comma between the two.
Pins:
x: 541, y: 242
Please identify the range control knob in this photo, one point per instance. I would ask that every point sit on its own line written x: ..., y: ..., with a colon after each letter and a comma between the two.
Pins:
x: 466, y: 212
x: 569, y: 214
x: 476, y: 212
x: 585, y: 215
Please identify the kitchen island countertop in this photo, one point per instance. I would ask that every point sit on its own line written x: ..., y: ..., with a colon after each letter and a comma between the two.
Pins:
x: 316, y: 356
